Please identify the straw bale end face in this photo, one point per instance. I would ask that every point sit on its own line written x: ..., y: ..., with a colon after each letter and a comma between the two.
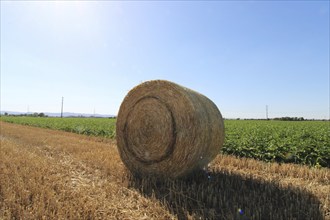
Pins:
x: 167, y: 130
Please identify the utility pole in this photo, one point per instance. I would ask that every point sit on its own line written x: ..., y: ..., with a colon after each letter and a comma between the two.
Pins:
x: 267, y: 112
x: 62, y: 107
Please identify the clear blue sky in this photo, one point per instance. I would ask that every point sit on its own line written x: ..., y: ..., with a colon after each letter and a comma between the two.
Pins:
x: 243, y: 55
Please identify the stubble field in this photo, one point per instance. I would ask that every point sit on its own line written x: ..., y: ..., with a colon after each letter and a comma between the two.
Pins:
x: 50, y: 174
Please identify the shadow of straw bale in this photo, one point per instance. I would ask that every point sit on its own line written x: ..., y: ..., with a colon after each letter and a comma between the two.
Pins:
x: 223, y: 195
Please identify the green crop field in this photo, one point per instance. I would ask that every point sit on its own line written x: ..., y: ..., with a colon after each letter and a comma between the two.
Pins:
x: 104, y: 127
x: 303, y: 142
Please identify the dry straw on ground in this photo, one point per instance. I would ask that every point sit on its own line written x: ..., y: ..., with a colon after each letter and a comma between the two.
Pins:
x: 165, y: 129
x: 47, y: 174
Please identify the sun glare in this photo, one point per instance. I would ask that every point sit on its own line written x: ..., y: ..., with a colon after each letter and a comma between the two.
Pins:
x: 69, y: 18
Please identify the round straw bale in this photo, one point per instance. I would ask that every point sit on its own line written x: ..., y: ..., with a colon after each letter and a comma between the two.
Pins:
x: 167, y: 130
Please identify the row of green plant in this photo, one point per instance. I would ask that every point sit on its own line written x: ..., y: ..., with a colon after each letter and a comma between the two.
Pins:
x: 104, y: 127
x: 303, y: 142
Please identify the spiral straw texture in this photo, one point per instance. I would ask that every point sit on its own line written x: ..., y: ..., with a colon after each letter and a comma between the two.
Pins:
x: 167, y: 130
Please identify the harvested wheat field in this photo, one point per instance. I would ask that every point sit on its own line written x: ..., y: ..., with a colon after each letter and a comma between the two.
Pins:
x: 47, y: 174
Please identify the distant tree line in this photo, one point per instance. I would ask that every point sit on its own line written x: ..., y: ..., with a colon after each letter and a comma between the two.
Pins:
x: 35, y: 114
x: 289, y: 119
x: 277, y: 119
